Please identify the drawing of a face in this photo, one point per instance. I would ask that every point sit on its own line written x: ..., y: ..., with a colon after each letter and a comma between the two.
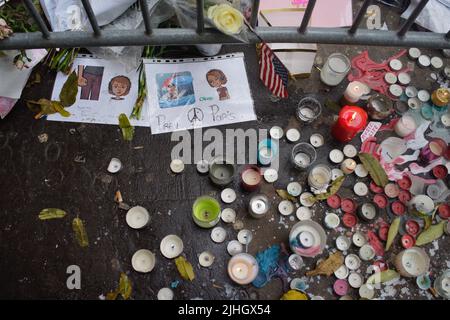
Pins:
x: 119, y: 87
x: 214, y: 81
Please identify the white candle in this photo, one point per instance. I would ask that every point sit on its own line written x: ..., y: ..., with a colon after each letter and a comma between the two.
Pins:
x: 405, y: 126
x: 348, y: 166
x: 243, y: 268
x: 354, y: 91
x: 143, y: 261
x: 137, y: 217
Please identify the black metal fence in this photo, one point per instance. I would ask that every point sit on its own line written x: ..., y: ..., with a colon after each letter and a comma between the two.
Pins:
x: 179, y: 36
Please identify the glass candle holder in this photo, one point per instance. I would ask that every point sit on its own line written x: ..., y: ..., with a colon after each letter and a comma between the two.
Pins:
x: 221, y: 171
x: 243, y: 268
x: 259, y: 206
x: 309, y: 109
x: 379, y: 107
x: 434, y: 149
x: 206, y: 212
x: 303, y: 155
x: 267, y: 151
x: 319, y: 177
x: 335, y: 69
x: 251, y: 178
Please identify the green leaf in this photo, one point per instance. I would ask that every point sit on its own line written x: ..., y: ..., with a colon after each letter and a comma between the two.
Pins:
x: 69, y: 91
x: 56, y: 105
x: 49, y: 107
x: 51, y: 213
x: 334, y: 188
x: 383, y: 276
x: 185, y: 268
x: 127, y: 128
x: 376, y: 171
x: 393, y: 231
x: 80, y: 232
x: 285, y: 195
x: 125, y: 287
x: 432, y: 233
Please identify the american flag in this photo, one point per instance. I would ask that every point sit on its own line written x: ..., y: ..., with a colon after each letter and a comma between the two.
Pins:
x: 273, y: 73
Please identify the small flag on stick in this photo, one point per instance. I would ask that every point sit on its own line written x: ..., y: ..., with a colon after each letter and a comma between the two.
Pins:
x: 273, y: 73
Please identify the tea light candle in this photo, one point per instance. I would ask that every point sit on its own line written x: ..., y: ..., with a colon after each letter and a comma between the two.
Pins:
x: 412, y: 262
x: 228, y: 215
x: 414, y: 103
x: 251, y: 178
x: 405, y: 126
x: 206, y: 212
x: 243, y: 268
x: 267, y: 151
x: 114, y: 165
x: 436, y: 63
x: 335, y: 69
x: 411, y: 92
x: 414, y: 53
x: 306, y: 239
x: 171, y: 246
x: 294, y: 189
x: 319, y: 177
x: 348, y: 166
x: 379, y: 107
x: 234, y: 247
x: 303, y: 155
x: 258, y: 206
x: 317, y: 140
x: 395, y: 91
x: 221, y: 171
x: 309, y: 109
x: 366, y: 291
x: 354, y: 91
x: 441, y: 97
x: 137, y: 217
x: 350, y: 121
x: 143, y: 261
x: 165, y: 294
x: 343, y: 243
x: 293, y: 135
x: 332, y: 220
x: 423, y: 95
x: 276, y: 132
x: 295, y: 261
x: 368, y: 212
x: 424, y: 61
x: 395, y: 64
x: 404, y: 78
x: 390, y: 78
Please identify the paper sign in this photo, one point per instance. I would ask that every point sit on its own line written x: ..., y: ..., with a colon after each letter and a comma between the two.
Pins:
x: 371, y: 130
x: 197, y: 92
x: 105, y: 90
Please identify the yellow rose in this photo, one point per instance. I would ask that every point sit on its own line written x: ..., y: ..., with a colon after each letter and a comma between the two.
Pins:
x: 226, y: 18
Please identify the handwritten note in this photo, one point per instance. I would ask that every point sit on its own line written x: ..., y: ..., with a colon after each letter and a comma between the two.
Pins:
x: 371, y: 130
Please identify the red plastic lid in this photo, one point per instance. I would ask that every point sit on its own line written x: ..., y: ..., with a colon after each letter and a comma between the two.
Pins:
x: 404, y: 183
x: 408, y: 241
x: 391, y: 190
x: 349, y: 220
x: 348, y: 205
x: 383, y: 232
x: 381, y: 200
x: 334, y: 201
x: 398, y: 208
x: 340, y: 287
x: 375, y: 188
x: 412, y: 227
x: 404, y: 196
x: 444, y: 211
x: 440, y: 172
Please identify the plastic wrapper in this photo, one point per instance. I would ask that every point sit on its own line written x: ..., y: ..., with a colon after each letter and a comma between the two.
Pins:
x: 433, y: 17
x: 186, y: 11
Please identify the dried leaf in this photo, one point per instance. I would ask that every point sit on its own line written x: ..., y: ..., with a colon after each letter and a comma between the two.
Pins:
x: 334, y: 188
x: 125, y: 286
x: 285, y: 195
x: 112, y: 295
x: 80, y: 232
x: 383, y: 276
x: 432, y: 233
x: 125, y: 125
x: 49, y: 107
x: 393, y: 231
x: 185, y: 268
x: 52, y: 213
x: 69, y: 91
x: 375, y: 169
x: 329, y: 266
x: 427, y: 222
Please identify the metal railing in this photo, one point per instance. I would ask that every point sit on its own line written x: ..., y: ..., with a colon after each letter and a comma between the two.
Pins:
x: 182, y: 36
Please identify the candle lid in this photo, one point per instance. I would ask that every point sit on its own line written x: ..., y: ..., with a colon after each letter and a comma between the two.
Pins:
x: 286, y: 207
x: 334, y: 201
x: 203, y: 166
x: 143, y: 260
x: 349, y: 220
x: 276, y: 132
x: 114, y: 165
x: 360, y: 189
x: 234, y: 247
x: 171, y: 246
x: 295, y: 261
x: 336, y: 156
x: 352, y: 261
x: 206, y: 259
x: 444, y: 211
x: 218, y: 234
x: 355, y: 280
x: 411, y: 92
x: 303, y: 213
x: 395, y: 64
x: 412, y: 227
x: 294, y: 189
x: 228, y: 215
x: 359, y: 239
x: 228, y: 195
x: 305, y: 199
x: 137, y: 217
x: 381, y: 201
x: 348, y: 205
x: 366, y: 291
x: 407, y: 241
x: 404, y: 78
x: 245, y: 236
x: 350, y: 151
x: 177, y: 165
x: 317, y: 140
x: 404, y: 183
x: 366, y: 252
x: 293, y: 135
x: 341, y: 272
x: 336, y: 173
x: 343, y: 243
x: 361, y: 171
x: 390, y: 78
x: 270, y: 175
x: 165, y: 294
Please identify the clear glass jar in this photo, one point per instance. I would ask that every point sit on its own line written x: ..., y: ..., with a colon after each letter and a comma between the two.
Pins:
x: 335, y: 69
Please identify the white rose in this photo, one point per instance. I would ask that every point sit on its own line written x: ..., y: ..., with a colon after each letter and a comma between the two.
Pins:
x: 226, y: 18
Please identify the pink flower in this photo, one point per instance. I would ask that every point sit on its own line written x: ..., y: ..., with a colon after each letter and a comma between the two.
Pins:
x: 5, y: 30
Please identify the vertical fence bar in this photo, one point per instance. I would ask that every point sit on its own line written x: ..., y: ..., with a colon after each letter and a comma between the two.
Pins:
x: 255, y: 9
x: 200, y: 17
x: 412, y: 18
x: 307, y: 16
x: 145, y: 16
x: 91, y: 16
x: 448, y: 35
x: 37, y: 17
x: 362, y: 12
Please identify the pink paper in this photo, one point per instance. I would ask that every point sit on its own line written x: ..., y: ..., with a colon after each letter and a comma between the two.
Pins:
x: 371, y: 130
x: 6, y: 104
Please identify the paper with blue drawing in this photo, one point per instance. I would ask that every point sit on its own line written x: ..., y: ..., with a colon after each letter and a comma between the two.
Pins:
x: 197, y: 92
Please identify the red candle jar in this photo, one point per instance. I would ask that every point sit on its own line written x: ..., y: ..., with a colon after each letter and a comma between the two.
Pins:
x: 351, y: 120
x: 251, y: 178
x: 434, y: 149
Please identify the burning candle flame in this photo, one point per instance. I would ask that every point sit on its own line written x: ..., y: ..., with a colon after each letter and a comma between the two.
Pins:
x: 353, y: 117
